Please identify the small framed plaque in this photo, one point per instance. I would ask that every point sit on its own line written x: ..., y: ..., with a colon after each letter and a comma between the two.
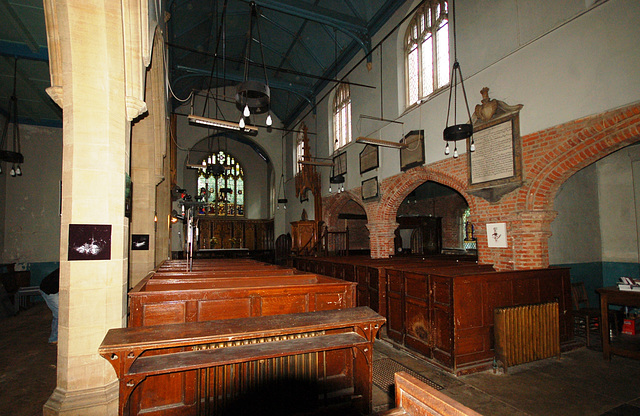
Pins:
x: 369, y: 189
x: 413, y: 154
x: 369, y: 158
x: 140, y: 242
x: 340, y: 164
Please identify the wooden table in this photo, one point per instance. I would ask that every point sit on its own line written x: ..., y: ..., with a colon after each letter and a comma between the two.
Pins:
x: 615, y: 296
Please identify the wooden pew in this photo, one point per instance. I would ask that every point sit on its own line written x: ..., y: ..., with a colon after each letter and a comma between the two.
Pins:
x: 131, y: 352
x: 415, y: 398
x: 156, y: 301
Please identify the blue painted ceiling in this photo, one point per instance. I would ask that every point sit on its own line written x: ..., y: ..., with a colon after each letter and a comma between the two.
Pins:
x: 304, y: 44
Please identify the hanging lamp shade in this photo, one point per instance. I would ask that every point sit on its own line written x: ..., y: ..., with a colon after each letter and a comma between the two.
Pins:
x: 462, y: 131
x: 254, y: 94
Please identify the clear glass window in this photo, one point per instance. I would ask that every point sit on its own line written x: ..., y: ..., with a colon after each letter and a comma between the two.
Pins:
x: 427, y: 51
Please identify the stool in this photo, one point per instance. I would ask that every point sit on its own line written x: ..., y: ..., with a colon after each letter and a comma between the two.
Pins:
x: 21, y: 297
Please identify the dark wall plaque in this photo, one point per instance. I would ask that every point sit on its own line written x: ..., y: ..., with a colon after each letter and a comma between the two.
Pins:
x: 413, y: 154
x: 369, y: 158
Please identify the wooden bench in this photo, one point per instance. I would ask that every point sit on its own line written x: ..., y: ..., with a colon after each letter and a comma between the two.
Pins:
x: 415, y: 398
x: 132, y: 351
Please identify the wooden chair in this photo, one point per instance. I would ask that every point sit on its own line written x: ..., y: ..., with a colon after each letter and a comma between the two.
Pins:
x: 587, y: 319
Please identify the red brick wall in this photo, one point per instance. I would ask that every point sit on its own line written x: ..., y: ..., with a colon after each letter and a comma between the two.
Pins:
x: 549, y: 158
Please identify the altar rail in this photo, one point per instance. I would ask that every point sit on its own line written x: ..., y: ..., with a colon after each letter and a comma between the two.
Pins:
x: 240, y: 345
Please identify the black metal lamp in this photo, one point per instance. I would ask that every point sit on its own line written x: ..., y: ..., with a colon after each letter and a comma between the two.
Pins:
x: 12, y: 156
x: 456, y: 131
x: 253, y: 97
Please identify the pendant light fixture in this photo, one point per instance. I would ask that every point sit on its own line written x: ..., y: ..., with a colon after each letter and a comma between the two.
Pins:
x: 464, y: 131
x: 12, y: 156
x: 253, y: 97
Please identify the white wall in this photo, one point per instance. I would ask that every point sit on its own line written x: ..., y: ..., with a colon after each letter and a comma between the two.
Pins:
x: 576, y: 230
x: 561, y: 59
x: 618, y: 207
x: 31, y: 201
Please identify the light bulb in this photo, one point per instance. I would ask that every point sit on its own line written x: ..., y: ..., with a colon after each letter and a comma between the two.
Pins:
x: 277, y: 206
x: 18, y: 171
x: 269, y: 121
x: 446, y: 149
x: 246, y: 111
x: 455, y: 152
x: 472, y: 148
x: 12, y: 172
x: 209, y: 160
x: 285, y: 206
x: 329, y: 188
x: 343, y: 188
x: 241, y: 124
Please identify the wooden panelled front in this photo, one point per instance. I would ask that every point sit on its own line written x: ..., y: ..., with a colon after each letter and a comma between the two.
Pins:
x: 226, y: 289
x: 443, y: 307
x: 218, y: 233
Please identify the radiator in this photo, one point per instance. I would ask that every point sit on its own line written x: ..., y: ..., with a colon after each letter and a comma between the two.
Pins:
x: 217, y: 387
x: 526, y: 333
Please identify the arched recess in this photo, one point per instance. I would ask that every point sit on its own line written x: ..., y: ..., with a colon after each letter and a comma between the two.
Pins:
x: 550, y: 157
x: 382, y: 214
x: 431, y: 221
x: 578, y: 144
x: 347, y: 211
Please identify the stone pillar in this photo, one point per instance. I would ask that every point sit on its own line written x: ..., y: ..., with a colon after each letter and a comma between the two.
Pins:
x: 90, y: 87
x: 381, y: 238
x: 144, y: 211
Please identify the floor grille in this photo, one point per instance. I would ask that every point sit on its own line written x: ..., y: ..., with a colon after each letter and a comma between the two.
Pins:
x: 385, y: 368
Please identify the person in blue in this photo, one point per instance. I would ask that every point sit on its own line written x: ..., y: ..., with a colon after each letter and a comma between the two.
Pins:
x: 49, y: 291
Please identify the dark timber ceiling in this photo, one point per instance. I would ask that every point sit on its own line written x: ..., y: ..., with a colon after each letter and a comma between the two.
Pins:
x: 304, y: 43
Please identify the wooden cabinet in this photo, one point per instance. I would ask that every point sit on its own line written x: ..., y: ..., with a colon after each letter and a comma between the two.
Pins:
x: 447, y: 315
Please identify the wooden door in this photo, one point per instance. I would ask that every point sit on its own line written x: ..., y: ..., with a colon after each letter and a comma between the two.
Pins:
x: 418, y: 323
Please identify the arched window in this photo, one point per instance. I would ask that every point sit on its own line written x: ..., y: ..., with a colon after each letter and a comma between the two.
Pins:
x: 221, y: 185
x: 299, y: 150
x: 427, y: 51
x: 341, y: 116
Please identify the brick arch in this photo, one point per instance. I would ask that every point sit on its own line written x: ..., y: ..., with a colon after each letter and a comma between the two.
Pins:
x: 337, y: 202
x: 395, y: 189
x: 575, y: 146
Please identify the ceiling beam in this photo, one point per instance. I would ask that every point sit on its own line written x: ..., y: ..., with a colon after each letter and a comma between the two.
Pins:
x: 39, y: 92
x: 286, y: 86
x: 23, y: 33
x: 21, y: 50
x: 350, y: 25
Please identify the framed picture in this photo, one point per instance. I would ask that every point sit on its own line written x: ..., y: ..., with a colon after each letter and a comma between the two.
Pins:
x: 369, y: 158
x: 340, y: 164
x: 413, y: 154
x: 497, y: 235
x: 140, y: 242
x: 369, y: 189
x: 89, y: 242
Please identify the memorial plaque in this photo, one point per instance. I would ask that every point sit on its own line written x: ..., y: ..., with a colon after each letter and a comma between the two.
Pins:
x: 340, y: 164
x: 413, y: 154
x: 368, y: 158
x: 369, y: 188
x: 494, y: 156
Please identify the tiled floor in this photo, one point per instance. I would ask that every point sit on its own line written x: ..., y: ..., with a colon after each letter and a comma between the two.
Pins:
x: 581, y: 383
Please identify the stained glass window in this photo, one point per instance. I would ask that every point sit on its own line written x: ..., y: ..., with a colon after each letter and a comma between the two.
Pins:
x: 427, y: 51
x: 221, y: 186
